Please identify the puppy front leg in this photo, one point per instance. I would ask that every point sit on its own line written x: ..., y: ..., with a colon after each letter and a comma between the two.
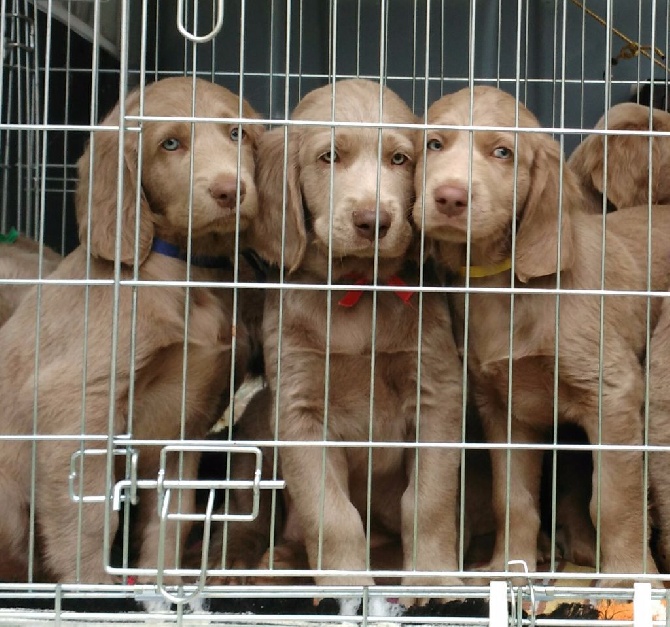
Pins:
x: 429, y: 504
x: 428, y: 508
x: 334, y: 532
x: 73, y: 546
x: 522, y: 501
x: 175, y: 532
x: 618, y: 502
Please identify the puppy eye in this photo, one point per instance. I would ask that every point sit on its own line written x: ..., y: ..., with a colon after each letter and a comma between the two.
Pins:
x: 399, y: 158
x: 502, y: 153
x: 434, y: 144
x: 171, y: 144
x: 236, y: 135
x: 329, y: 157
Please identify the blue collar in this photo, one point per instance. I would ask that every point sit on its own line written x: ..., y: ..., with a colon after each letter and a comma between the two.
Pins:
x: 162, y: 247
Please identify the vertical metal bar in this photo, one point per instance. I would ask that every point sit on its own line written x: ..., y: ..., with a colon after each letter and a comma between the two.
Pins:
x: 157, y: 41
x: 22, y: 151
x: 358, y: 38
x: 117, y: 275
x: 212, y: 52
x: 185, y: 56
x: 130, y: 418
x: 642, y: 616
x: 442, y: 47
x: 498, y: 615
x: 666, y: 78
x: 89, y: 202
x: 64, y: 223
x: 466, y: 297
x: 515, y: 213
x: 187, y: 289
x: 288, y: 35
x: 499, y: 43
x: 236, y: 266
x: 33, y: 465
x: 414, y: 55
x: 554, y: 63
x: 597, y: 466
x: 272, y: 55
x: 329, y: 279
x: 23, y: 222
x: 638, y: 60
x: 35, y: 175
x: 383, y: 22
x: 648, y: 317
x: 426, y: 88
x: 526, y: 45
x: 582, y: 73
x: 5, y: 160
x: 280, y: 314
x: 557, y: 309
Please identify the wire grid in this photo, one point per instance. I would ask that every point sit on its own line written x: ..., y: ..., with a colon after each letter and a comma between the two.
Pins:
x: 444, y: 47
x: 19, y: 97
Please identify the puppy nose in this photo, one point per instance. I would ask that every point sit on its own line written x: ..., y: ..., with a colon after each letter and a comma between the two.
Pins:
x: 367, y: 225
x: 451, y: 200
x: 224, y: 191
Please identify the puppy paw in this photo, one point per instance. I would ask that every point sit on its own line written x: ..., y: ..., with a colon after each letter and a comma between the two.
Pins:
x: 377, y: 606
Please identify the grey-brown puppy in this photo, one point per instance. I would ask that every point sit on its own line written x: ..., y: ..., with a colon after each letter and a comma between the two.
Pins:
x: 511, y: 183
x: 73, y: 383
x: 338, y: 338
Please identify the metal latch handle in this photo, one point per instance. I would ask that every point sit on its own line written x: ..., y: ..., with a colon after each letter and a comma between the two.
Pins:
x: 199, y: 39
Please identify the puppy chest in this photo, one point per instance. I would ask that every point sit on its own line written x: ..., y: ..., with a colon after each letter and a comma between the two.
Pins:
x: 533, y: 389
x: 489, y: 341
x: 352, y: 330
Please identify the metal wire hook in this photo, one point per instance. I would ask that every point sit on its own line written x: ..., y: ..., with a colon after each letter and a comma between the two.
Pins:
x: 199, y: 39
x: 530, y: 587
x: 199, y: 587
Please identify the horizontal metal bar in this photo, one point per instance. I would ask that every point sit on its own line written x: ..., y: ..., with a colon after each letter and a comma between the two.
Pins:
x: 338, y: 287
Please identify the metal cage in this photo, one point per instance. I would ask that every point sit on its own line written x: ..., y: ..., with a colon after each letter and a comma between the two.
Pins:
x: 65, y: 65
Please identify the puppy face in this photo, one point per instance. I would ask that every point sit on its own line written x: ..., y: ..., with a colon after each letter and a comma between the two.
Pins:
x: 503, y: 183
x: 163, y: 170
x: 483, y: 173
x: 363, y: 169
x: 166, y: 154
x: 342, y: 189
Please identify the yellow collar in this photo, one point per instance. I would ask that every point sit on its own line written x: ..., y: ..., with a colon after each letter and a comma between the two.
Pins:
x: 478, y: 272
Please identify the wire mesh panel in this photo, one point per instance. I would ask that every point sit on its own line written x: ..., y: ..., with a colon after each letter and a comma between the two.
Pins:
x: 20, y: 97
x: 321, y: 311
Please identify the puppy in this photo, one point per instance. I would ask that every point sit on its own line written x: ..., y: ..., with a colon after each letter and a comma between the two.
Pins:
x: 19, y: 259
x: 516, y: 386
x: 628, y: 159
x: 326, y: 355
x: 89, y: 385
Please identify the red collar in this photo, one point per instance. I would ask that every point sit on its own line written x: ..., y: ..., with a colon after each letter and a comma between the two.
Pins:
x: 353, y: 296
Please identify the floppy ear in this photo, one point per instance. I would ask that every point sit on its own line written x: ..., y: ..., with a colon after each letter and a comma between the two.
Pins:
x: 586, y: 161
x: 627, y: 166
x: 265, y: 231
x: 628, y: 169
x: 537, y: 237
x: 104, y: 180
